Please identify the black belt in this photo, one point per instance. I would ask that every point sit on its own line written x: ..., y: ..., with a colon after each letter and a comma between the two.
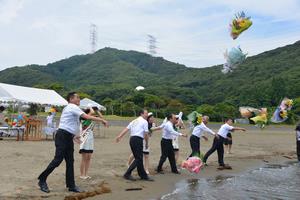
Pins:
x: 195, y: 136
x: 135, y: 136
x: 65, y: 132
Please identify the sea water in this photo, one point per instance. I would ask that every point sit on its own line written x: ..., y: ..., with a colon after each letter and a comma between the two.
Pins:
x: 272, y: 181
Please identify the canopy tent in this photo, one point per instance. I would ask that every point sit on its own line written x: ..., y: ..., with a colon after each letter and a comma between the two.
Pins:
x: 26, y: 95
x: 86, y: 102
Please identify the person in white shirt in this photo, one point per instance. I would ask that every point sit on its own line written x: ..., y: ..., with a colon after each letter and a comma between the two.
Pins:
x: 167, y: 150
x: 298, y: 141
x: 50, y: 129
x: 146, y: 150
x: 197, y: 134
x: 68, y: 131
x: 138, y: 132
x: 218, y: 143
x: 175, y: 142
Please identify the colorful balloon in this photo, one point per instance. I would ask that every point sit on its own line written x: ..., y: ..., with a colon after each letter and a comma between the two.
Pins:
x: 234, y: 57
x: 281, y: 112
x: 239, y: 24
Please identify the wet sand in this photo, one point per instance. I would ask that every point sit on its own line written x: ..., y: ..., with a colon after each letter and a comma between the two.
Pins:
x: 21, y: 163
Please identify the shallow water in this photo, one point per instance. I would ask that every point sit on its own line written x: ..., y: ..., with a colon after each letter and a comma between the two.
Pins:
x: 273, y: 181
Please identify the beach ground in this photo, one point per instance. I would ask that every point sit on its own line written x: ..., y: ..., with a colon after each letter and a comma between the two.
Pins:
x: 21, y: 163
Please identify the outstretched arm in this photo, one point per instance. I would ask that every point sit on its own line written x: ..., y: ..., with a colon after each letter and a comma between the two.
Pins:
x: 123, y: 132
x: 208, y: 130
x: 238, y: 129
x: 172, y: 131
x: 101, y: 116
x: 98, y: 119
x: 156, y: 128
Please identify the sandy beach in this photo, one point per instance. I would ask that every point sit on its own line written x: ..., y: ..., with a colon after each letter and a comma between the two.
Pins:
x: 21, y: 163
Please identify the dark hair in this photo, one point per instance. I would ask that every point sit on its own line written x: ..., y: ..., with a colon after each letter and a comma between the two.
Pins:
x: 227, y: 119
x: 142, y: 111
x: 169, y: 116
x: 70, y: 96
x: 86, y: 111
x: 95, y: 108
x: 2, y: 108
x: 49, y: 113
x: 298, y: 127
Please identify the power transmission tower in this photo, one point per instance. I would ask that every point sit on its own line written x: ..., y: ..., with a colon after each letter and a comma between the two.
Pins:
x: 93, y: 37
x: 152, y: 47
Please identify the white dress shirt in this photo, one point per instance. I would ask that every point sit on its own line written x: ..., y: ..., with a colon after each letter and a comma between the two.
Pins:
x: 200, y: 129
x: 224, y: 130
x: 69, y: 120
x: 169, y: 132
x: 138, y: 127
x: 298, y: 135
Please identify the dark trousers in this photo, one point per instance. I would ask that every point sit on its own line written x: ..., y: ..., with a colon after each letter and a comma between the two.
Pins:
x: 167, y: 151
x: 195, y: 145
x: 64, y: 149
x: 136, y: 145
x: 217, y: 145
x: 298, y: 150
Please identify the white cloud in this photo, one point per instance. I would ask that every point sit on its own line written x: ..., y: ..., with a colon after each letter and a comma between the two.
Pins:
x: 9, y: 10
x: 189, y: 32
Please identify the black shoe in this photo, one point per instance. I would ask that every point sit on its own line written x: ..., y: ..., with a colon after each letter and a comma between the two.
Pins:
x: 43, y: 186
x: 75, y: 189
x: 159, y: 171
x: 147, y: 179
x: 176, y: 172
x: 129, y: 177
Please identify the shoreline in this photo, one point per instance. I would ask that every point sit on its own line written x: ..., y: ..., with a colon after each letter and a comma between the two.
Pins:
x: 25, y: 160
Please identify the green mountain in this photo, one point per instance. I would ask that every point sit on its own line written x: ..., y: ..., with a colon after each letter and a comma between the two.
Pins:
x: 262, y: 80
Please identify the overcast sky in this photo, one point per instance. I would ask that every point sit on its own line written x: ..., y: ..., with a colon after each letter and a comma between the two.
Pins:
x: 190, y: 32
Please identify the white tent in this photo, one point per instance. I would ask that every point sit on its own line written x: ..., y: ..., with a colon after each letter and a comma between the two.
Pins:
x: 139, y: 88
x: 86, y: 102
x: 20, y: 94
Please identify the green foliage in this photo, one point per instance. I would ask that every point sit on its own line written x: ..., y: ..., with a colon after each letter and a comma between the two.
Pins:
x: 110, y: 76
x: 219, y: 112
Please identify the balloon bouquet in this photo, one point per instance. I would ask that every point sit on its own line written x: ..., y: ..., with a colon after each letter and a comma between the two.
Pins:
x: 259, y: 117
x: 281, y: 112
x: 236, y: 56
x: 239, y: 24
